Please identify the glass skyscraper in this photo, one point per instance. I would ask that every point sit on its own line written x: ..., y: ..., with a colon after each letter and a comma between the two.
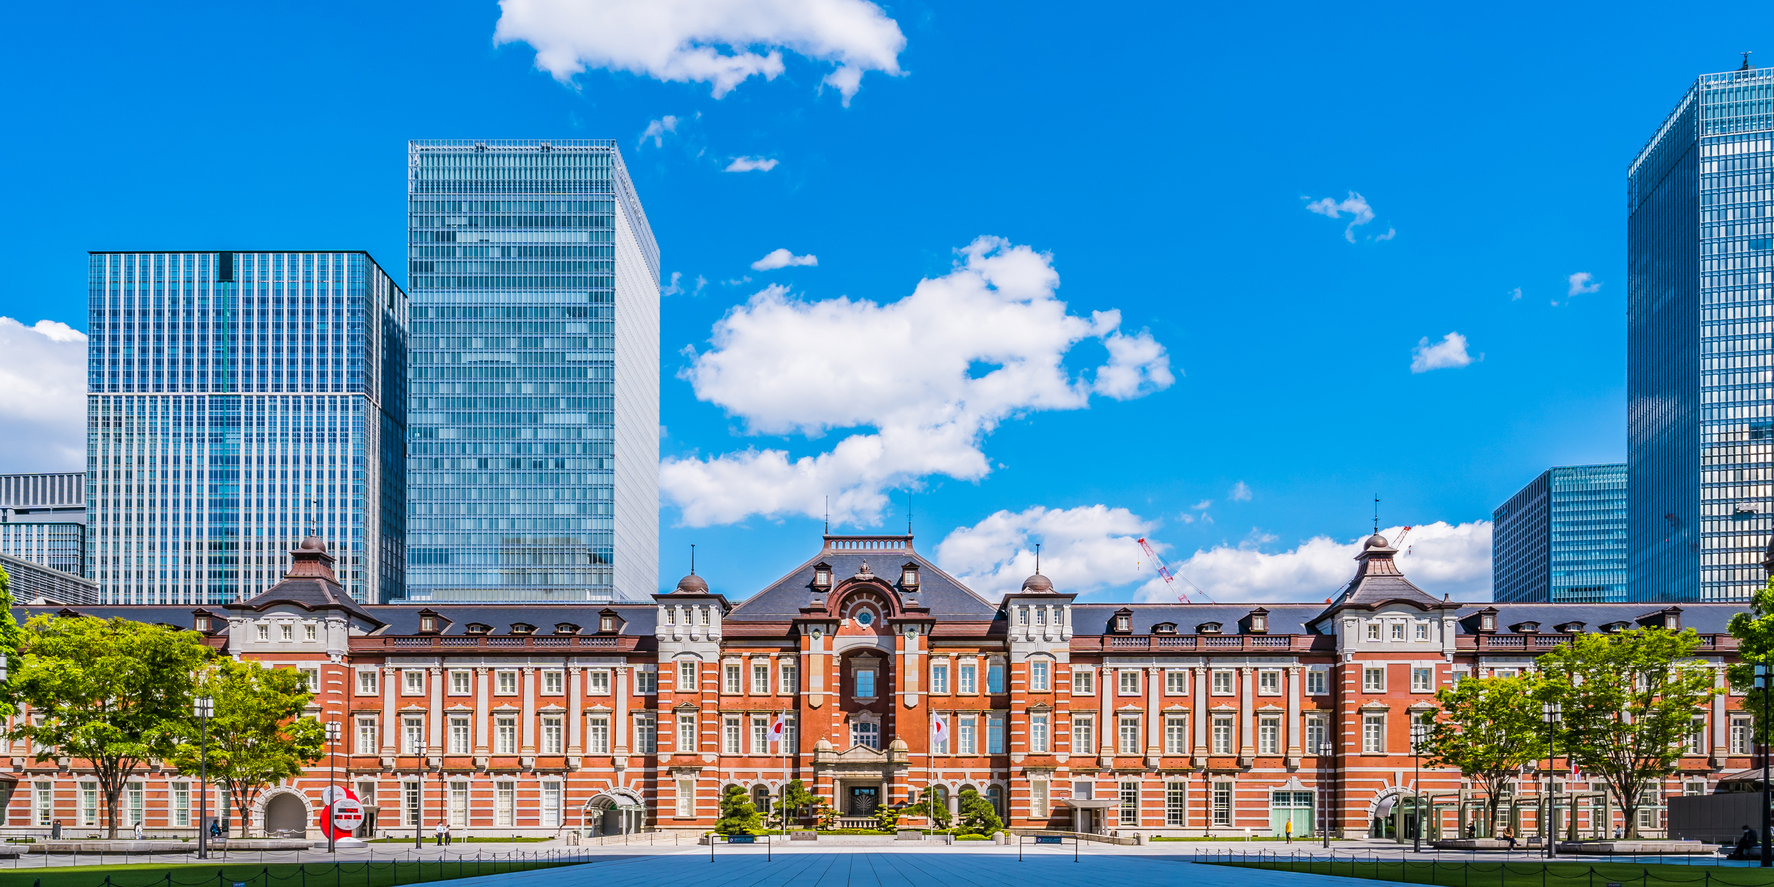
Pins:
x: 43, y: 519
x: 236, y: 403
x: 534, y: 446
x: 1563, y: 538
x: 1700, y: 344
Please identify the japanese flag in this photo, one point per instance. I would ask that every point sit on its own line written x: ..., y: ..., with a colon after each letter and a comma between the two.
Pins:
x: 777, y: 728
x: 940, y: 726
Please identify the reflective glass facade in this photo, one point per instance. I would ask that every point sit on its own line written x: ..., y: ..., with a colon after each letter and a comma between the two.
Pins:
x: 534, y: 441
x: 1563, y: 538
x: 43, y: 519
x: 1700, y: 347
x: 236, y: 403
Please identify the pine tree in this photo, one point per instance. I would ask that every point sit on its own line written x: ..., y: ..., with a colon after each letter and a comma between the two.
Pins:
x: 738, y: 815
x: 977, y: 815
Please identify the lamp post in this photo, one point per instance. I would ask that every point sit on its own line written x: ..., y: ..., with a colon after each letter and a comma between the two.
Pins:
x: 1550, y: 713
x: 1762, y: 680
x: 1324, y: 758
x: 332, y: 782
x: 1419, y: 733
x: 419, y: 800
x: 203, y: 707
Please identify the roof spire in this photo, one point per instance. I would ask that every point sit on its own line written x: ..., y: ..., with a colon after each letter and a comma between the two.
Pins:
x: 1746, y: 65
x: 828, y: 515
x: 1037, y: 558
x: 1376, y: 514
x: 692, y: 558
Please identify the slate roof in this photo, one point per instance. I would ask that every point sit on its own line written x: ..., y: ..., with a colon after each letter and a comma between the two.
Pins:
x: 637, y: 619
x: 1378, y: 580
x: 943, y: 595
x: 154, y: 615
x: 309, y: 592
x: 1707, y: 618
x: 1095, y: 618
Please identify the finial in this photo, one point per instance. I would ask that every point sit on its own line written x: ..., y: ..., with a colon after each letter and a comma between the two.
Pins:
x: 1746, y: 64
x: 908, y: 512
x: 692, y: 558
x: 1376, y: 514
x: 828, y: 515
x: 1037, y: 558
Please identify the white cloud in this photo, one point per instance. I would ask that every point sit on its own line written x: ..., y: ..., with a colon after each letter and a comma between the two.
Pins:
x: 750, y: 164
x: 782, y: 258
x: 1355, y: 205
x: 42, y: 396
x: 964, y: 352
x: 718, y: 42
x: 656, y: 130
x: 1450, y: 352
x: 1440, y: 558
x: 1515, y: 294
x: 1390, y: 233
x: 1582, y: 283
x: 1084, y: 549
x: 672, y: 288
x: 1240, y: 492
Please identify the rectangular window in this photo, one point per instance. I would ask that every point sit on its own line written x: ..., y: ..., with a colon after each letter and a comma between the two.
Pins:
x: 1083, y: 734
x: 1176, y: 803
x: 505, y: 736
x: 760, y: 735
x: 412, y: 683
x: 551, y: 804
x: 1373, y: 631
x: 1038, y: 675
x: 1127, y: 734
x: 1317, y: 681
x: 1222, y: 734
x: 760, y: 679
x: 413, y: 731
x: 1740, y: 736
x: 1083, y: 682
x: 366, y: 682
x: 181, y: 804
x: 939, y: 742
x: 686, y: 732
x: 409, y: 803
x: 967, y: 735
x: 1222, y: 682
x: 1038, y: 798
x: 1269, y: 735
x: 461, y: 682
x: 366, y: 736
x: 1176, y: 734
x: 597, y: 682
x: 1373, y: 734
x: 1176, y: 682
x: 687, y: 676
x: 1269, y: 682
x: 1038, y: 733
x: 308, y: 633
x: 791, y: 736
x: 461, y: 742
x: 311, y: 679
x: 939, y: 678
x: 969, y: 677
x: 1315, y: 733
x: 1129, y: 811
x: 865, y: 683
x: 133, y: 804
x: 1222, y: 803
x: 730, y: 678
x: 1127, y: 682
x: 995, y: 734
x: 995, y: 676
x: 458, y: 804
x: 1422, y: 631
x: 44, y: 798
x: 686, y: 797
x: 1422, y: 680
x: 1697, y: 737
x: 730, y: 735
x: 646, y: 735
x: 505, y: 682
x: 551, y: 734
x: 554, y: 683
x: 597, y: 735
x: 646, y: 680
x: 1398, y: 631
x: 504, y: 803
x: 1373, y: 679
x: 788, y: 678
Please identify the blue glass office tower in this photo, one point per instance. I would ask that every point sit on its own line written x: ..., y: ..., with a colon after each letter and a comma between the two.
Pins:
x: 1700, y: 346
x: 1563, y: 538
x: 534, y: 450
x: 237, y: 402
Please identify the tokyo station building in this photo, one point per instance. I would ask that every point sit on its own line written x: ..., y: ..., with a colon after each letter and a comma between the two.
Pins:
x: 1178, y: 719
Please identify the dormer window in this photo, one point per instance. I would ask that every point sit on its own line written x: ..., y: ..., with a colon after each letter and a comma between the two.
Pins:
x: 1208, y: 628
x: 1259, y: 621
x: 1525, y: 628
x: 606, y: 623
x: 822, y: 576
x: 565, y: 628
x: 427, y: 623
x: 522, y: 628
x: 908, y: 576
x: 1165, y: 628
x: 1487, y: 621
x: 1570, y: 628
x: 478, y: 628
x: 1123, y: 622
x: 1613, y: 627
x: 200, y: 621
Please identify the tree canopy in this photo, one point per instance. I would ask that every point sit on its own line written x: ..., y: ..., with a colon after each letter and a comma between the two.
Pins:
x: 258, y: 735
x: 1489, y: 728
x: 1754, y: 630
x: 738, y: 815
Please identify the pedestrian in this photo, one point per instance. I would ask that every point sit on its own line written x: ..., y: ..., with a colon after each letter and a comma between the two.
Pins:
x: 138, y: 831
x: 1290, y: 830
x: 55, y: 831
x: 448, y: 838
x: 442, y: 832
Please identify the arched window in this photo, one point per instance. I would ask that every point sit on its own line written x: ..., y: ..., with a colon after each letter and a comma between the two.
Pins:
x: 760, y: 797
x: 995, y: 794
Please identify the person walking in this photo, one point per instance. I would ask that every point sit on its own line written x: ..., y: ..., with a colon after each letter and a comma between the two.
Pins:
x: 1290, y: 830
x: 442, y: 832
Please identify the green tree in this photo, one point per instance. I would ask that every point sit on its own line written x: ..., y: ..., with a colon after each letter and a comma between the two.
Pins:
x: 115, y: 694
x: 258, y: 736
x: 738, y: 815
x: 10, y: 635
x: 796, y: 800
x: 1489, y: 728
x: 1754, y: 630
x: 977, y: 815
x: 1628, y: 702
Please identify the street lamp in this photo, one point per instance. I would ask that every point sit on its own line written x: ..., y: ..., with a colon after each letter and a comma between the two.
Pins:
x: 1550, y: 713
x: 332, y: 779
x: 1419, y: 735
x: 1762, y: 681
x: 203, y: 707
x: 419, y: 799
x: 1324, y: 758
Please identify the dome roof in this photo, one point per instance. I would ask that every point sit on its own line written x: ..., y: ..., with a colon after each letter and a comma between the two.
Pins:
x: 1038, y: 584
x: 691, y: 584
x: 1377, y: 541
x: 312, y: 543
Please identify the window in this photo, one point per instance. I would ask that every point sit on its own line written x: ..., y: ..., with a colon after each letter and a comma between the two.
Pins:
x: 366, y: 736
x: 597, y: 735
x: 551, y: 734
x: 1083, y: 682
x: 409, y: 807
x: 686, y: 741
x: 967, y: 737
x: 1373, y: 734
x: 791, y: 737
x: 1222, y: 734
x: 1176, y: 803
x: 1697, y: 737
x: 366, y: 682
x: 866, y: 734
x: 1422, y: 680
x: 1038, y: 798
x: 1740, y: 736
x: 181, y: 804
x: 311, y: 679
x: 413, y: 733
x: 606, y: 624
x: 458, y: 804
x: 286, y: 632
x: 1222, y: 682
x: 412, y: 683
x: 1373, y: 631
x: 760, y: 679
x: 1129, y: 811
x: 995, y: 676
x: 1269, y: 735
x: 788, y: 679
x: 686, y: 800
x: 1317, y: 681
x: 505, y: 682
x: 1127, y: 682
x: 1038, y: 732
x: 1083, y: 734
x: 939, y: 677
x: 730, y: 678
x: 308, y: 633
x: 1123, y: 623
x: 505, y: 736
x: 504, y: 802
x: 864, y: 679
x: 646, y: 680
x: 939, y: 742
x: 646, y: 735
x: 1176, y: 734
x: 1176, y: 682
x: 1373, y: 679
x: 597, y: 682
x: 1269, y: 682
x: 461, y: 682
x: 969, y: 680
x: 760, y: 735
x: 554, y: 683
x: 1038, y: 675
x: 264, y: 632
x: 1422, y: 631
x: 1222, y: 803
x: 1127, y: 734
x: 1398, y: 631
x: 730, y: 735
x: 1315, y: 733
x: 132, y: 804
x: 460, y: 742
x: 687, y: 676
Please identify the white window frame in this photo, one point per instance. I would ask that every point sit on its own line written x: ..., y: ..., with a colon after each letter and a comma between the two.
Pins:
x: 1373, y: 733
x: 412, y: 682
x: 1317, y: 681
x: 1373, y: 679
x: 1176, y: 682
x: 1422, y: 679
x: 1083, y: 733
x: 597, y: 682
x: 507, y: 682
x: 366, y: 682
x: 1039, y: 669
x: 1038, y: 735
x: 461, y: 682
x: 1268, y: 682
x: 554, y: 682
x: 1176, y: 734
x: 461, y: 735
x: 1083, y: 682
x: 1223, y: 682
x: 1127, y: 682
x: 760, y: 677
x: 597, y: 734
x: 939, y: 677
x: 553, y: 735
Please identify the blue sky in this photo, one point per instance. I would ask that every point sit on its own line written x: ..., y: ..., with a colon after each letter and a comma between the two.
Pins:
x: 1166, y: 161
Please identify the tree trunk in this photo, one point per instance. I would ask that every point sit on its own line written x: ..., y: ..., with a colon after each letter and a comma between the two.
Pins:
x: 111, y: 796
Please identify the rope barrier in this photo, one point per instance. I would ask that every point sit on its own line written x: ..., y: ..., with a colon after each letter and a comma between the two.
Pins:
x: 1504, y: 869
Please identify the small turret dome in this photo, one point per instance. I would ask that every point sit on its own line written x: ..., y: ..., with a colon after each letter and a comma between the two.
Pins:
x: 823, y: 745
x: 1038, y: 584
x: 1378, y: 541
x: 312, y: 543
x: 898, y: 745
x: 691, y: 584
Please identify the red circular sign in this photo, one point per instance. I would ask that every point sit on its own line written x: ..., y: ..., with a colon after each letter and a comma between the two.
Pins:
x: 347, y: 815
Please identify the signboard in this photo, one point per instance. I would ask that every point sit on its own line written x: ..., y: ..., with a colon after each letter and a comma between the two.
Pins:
x: 332, y: 793
x: 742, y: 839
x: 347, y: 815
x: 1049, y: 839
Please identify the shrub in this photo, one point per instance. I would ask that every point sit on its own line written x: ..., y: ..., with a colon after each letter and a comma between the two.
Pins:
x: 738, y: 815
x: 977, y: 815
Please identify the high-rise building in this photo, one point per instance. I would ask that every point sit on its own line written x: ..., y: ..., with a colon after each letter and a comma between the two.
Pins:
x: 1700, y: 344
x: 236, y: 403
x: 534, y: 454
x: 43, y: 520
x: 1563, y: 538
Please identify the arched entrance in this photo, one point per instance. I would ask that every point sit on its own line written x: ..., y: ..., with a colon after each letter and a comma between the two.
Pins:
x: 613, y: 812
x: 286, y: 816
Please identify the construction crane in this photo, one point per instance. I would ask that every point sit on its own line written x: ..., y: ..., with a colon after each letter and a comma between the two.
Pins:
x: 1399, y: 542
x: 1169, y: 578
